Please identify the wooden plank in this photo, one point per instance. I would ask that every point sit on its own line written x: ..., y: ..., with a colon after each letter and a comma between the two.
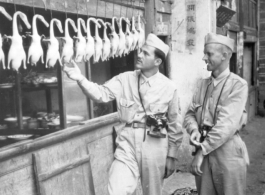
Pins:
x: 80, y: 7
x: 64, y: 169
x: 67, y: 167
x: 20, y: 182
x: 19, y: 101
x: 102, y: 156
x: 103, y: 122
x: 61, y: 96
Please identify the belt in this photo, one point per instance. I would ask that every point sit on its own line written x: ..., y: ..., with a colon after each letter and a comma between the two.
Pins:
x: 135, y: 125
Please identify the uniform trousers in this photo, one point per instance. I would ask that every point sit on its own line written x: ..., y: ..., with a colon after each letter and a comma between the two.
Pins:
x: 224, y: 170
x: 134, y: 159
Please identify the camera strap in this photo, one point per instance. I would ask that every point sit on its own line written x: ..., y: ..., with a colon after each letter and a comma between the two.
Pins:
x: 140, y: 97
x: 205, y: 96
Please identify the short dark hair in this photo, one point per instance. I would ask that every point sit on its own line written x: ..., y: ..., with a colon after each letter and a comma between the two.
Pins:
x: 160, y: 54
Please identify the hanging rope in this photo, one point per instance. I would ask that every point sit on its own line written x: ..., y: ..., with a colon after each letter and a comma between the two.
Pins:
x: 77, y: 5
x: 15, y: 7
x: 105, y: 11
x: 97, y: 9
x: 65, y: 5
x: 51, y: 12
x: 113, y: 8
x: 120, y: 8
x: 33, y: 6
x: 86, y: 10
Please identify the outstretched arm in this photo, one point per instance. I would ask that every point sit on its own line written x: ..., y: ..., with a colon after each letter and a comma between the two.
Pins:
x: 98, y: 93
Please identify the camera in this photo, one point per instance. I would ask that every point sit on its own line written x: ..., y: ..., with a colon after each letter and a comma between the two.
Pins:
x: 157, y: 123
x: 204, y: 129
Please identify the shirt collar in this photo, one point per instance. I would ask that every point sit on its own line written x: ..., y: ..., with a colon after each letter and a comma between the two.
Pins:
x: 221, y: 77
x: 151, y: 80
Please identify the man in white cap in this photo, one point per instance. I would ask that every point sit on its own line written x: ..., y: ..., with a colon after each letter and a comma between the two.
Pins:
x: 215, y: 116
x: 146, y: 151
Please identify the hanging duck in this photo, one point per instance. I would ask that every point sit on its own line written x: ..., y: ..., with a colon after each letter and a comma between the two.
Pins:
x: 98, y: 44
x: 141, y: 39
x: 135, y: 35
x: 128, y: 38
x: 68, y: 46
x: 114, y: 39
x: 106, y: 42
x: 35, y: 49
x: 80, y: 43
x: 53, y: 45
x: 2, y: 55
x: 121, y: 46
x: 16, y: 54
x: 90, y: 43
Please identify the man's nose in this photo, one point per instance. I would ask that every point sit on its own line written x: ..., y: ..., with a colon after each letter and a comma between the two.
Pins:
x: 139, y: 53
x: 205, y: 57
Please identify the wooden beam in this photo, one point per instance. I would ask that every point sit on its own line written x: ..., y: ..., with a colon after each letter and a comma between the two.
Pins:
x: 52, y: 173
x: 59, y: 136
x: 95, y: 8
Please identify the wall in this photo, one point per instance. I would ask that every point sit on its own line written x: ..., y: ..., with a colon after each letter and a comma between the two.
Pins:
x: 186, y: 65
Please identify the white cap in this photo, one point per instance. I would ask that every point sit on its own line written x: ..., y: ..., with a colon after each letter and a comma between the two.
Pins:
x: 154, y: 41
x: 220, y: 39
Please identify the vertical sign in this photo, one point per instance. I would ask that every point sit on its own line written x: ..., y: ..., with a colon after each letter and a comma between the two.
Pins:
x: 240, y: 47
x: 191, y: 25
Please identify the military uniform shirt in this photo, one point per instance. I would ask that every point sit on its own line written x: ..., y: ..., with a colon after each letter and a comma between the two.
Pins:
x: 230, y: 112
x: 159, y: 95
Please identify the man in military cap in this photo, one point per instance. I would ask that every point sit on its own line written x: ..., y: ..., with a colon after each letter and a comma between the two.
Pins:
x: 215, y: 116
x: 141, y: 94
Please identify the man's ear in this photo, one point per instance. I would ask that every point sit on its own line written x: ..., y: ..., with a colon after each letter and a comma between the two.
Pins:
x: 158, y: 61
x: 225, y: 55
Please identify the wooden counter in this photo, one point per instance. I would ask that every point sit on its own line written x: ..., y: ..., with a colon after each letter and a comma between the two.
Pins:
x: 71, y: 161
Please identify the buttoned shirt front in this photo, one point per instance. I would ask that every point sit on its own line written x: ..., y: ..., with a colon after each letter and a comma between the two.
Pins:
x: 159, y: 96
x: 229, y: 110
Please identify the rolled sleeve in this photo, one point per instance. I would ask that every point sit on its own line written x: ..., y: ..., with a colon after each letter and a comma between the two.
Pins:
x: 228, y: 119
x: 101, y: 93
x: 175, y: 133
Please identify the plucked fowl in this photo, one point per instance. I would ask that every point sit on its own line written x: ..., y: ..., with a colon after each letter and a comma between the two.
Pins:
x: 114, y: 39
x: 80, y: 44
x: 141, y: 39
x: 35, y: 49
x: 135, y: 35
x: 106, y: 42
x: 16, y: 54
x: 128, y: 38
x: 53, y: 45
x: 121, y: 46
x: 68, y: 46
x: 98, y: 44
x: 2, y: 55
x: 90, y: 43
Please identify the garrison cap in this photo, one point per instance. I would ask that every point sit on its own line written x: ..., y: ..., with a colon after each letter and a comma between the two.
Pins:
x: 214, y: 38
x: 154, y: 41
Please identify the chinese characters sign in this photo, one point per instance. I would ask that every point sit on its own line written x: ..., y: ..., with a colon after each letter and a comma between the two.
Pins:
x: 240, y: 47
x: 191, y: 25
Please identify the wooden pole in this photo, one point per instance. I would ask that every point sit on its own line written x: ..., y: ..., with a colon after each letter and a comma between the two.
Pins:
x: 61, y: 97
x: 19, y: 101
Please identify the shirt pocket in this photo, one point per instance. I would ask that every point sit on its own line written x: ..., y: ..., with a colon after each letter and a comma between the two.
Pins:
x: 128, y: 109
x: 158, y: 108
